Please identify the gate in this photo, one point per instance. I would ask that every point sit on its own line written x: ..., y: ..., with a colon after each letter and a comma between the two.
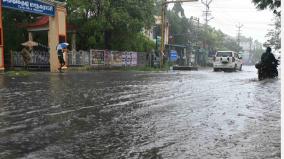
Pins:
x: 38, y: 59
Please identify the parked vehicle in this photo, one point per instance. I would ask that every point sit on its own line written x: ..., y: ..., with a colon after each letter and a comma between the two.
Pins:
x: 227, y: 61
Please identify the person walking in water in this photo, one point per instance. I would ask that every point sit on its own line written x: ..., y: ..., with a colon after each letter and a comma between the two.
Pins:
x: 61, y: 48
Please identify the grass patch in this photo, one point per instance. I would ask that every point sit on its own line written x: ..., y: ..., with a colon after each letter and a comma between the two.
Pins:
x: 122, y: 68
x: 18, y: 73
x: 80, y: 69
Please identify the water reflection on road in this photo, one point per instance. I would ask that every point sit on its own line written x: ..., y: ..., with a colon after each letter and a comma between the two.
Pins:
x: 200, y: 114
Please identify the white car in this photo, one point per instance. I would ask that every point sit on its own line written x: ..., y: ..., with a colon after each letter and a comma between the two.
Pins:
x: 227, y: 60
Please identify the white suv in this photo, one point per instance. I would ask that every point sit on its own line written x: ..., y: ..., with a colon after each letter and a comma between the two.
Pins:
x: 227, y: 60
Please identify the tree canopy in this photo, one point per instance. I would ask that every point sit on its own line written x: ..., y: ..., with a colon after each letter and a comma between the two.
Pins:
x: 274, y: 5
x: 100, y: 24
x: 111, y: 24
x: 274, y: 35
x: 118, y: 25
x: 188, y: 31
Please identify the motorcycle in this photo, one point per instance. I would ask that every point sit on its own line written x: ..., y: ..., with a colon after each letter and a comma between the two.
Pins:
x: 265, y: 71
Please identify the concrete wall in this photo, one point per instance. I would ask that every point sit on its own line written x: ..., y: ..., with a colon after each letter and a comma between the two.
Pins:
x: 106, y: 58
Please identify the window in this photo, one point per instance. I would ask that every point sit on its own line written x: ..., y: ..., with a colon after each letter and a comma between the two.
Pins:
x: 224, y: 54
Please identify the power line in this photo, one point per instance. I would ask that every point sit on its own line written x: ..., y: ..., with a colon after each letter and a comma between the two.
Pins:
x: 219, y: 7
x: 227, y: 17
x: 221, y: 22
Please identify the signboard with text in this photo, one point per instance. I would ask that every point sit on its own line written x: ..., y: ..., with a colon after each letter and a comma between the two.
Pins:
x: 97, y: 57
x: 129, y: 58
x: 31, y: 6
x: 173, y: 55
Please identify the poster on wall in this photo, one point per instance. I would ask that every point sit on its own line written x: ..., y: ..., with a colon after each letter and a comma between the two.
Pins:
x: 129, y: 58
x: 116, y: 58
x: 134, y: 59
x: 107, y: 56
x: 97, y: 57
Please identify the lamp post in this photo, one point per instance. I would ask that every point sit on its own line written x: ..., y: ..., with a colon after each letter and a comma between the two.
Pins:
x: 163, y: 15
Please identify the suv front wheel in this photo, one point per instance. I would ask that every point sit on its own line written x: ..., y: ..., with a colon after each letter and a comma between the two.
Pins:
x: 241, y: 67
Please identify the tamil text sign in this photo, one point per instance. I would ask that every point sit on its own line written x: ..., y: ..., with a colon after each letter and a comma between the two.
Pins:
x: 32, y: 6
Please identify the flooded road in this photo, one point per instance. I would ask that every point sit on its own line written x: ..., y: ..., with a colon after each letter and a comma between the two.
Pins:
x: 111, y: 115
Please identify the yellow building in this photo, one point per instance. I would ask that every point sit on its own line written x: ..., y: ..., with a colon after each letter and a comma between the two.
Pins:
x: 150, y: 33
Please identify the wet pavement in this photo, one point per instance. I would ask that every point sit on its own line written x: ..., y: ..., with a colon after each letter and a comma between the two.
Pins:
x: 116, y: 115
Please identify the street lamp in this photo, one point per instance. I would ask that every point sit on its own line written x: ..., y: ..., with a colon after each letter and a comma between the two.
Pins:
x: 163, y: 14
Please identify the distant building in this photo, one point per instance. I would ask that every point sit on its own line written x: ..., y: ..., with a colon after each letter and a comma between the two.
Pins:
x: 153, y: 32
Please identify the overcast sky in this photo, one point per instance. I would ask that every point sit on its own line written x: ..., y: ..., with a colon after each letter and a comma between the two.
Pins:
x: 229, y: 13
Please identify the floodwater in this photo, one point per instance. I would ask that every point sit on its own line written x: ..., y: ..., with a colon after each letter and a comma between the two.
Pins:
x: 116, y: 115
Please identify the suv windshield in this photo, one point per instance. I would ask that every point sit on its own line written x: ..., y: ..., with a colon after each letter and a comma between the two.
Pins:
x: 224, y: 54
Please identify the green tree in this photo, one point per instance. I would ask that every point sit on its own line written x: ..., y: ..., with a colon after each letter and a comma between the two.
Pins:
x: 158, y: 7
x: 111, y: 24
x: 178, y: 28
x: 184, y: 31
x: 274, y: 5
x: 274, y: 35
x: 177, y: 9
x: 179, y: 25
x: 13, y: 31
x: 230, y: 43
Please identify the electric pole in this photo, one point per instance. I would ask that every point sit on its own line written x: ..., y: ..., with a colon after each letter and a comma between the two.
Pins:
x: 162, y: 47
x: 239, y: 26
x: 207, y: 12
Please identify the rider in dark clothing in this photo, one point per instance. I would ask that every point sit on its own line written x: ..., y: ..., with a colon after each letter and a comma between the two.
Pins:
x: 268, y: 59
x: 269, y: 62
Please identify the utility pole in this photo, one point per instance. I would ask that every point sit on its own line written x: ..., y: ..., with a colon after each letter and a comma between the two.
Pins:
x: 196, y: 25
x: 163, y: 15
x: 196, y: 28
x: 239, y: 26
x: 207, y: 12
x: 162, y: 47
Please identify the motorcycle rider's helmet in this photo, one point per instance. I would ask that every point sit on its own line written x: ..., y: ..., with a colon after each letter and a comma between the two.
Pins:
x: 268, y: 49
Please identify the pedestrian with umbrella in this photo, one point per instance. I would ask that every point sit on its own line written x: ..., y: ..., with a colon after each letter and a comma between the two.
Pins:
x: 26, y: 51
x: 61, y: 48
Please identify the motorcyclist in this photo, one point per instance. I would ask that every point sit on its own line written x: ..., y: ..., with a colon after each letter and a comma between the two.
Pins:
x: 268, y: 58
x: 269, y: 63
